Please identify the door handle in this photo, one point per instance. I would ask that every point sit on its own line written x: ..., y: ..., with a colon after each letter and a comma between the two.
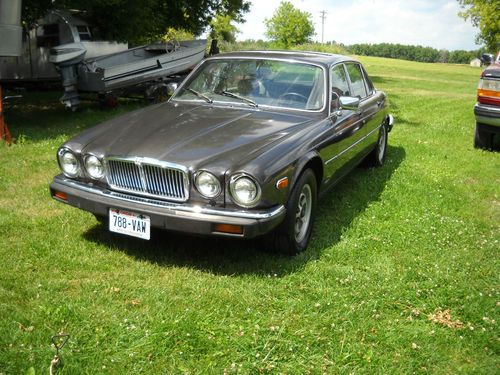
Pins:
x: 379, y: 103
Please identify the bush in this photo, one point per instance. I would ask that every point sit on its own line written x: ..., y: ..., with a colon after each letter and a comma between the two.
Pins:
x: 253, y: 45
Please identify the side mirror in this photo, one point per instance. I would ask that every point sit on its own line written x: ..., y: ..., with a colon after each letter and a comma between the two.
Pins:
x: 334, y: 104
x: 171, y: 87
x: 349, y: 102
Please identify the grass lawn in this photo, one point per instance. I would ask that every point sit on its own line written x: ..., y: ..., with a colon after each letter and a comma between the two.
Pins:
x: 401, y: 275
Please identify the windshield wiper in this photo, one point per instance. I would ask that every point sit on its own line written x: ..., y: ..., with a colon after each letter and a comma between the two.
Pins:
x: 236, y: 96
x: 199, y: 95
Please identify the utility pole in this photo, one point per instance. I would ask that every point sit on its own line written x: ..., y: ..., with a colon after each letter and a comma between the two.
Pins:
x: 323, y: 16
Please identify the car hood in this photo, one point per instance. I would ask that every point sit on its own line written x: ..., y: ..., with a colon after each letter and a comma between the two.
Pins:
x: 191, y: 135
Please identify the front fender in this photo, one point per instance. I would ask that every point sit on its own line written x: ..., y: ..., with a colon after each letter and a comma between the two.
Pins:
x: 313, y: 160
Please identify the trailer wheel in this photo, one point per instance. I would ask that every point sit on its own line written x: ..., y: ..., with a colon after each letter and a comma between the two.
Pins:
x: 108, y: 100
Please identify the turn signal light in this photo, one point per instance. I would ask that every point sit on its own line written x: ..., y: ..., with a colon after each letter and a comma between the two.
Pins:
x: 228, y: 228
x: 61, y: 195
x: 282, y: 183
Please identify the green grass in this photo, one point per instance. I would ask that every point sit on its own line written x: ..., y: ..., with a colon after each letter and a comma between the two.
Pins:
x: 391, y: 246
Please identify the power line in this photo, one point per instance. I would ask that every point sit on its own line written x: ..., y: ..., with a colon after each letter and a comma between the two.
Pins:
x: 323, y: 16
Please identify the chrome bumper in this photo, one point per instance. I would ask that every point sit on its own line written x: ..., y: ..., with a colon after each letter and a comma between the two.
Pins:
x: 487, y: 114
x: 167, y: 215
x: 390, y: 122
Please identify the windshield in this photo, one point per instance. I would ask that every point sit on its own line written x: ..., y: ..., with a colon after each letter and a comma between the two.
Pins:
x: 257, y: 82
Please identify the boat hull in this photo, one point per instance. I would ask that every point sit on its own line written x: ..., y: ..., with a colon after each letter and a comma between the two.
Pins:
x: 137, y: 66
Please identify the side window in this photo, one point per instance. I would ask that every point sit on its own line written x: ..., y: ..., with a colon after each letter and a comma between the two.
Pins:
x: 357, y: 81
x: 369, y: 83
x: 340, y: 86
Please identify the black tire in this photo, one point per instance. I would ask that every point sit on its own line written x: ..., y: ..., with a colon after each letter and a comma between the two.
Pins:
x: 376, y: 158
x: 292, y: 236
x: 108, y: 100
x: 482, y: 138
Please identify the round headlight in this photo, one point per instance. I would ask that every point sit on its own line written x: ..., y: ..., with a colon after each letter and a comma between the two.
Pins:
x: 207, y: 184
x: 94, y: 167
x: 245, y: 191
x: 69, y: 163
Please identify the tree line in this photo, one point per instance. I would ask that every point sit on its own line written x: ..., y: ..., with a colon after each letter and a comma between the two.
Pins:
x: 414, y: 53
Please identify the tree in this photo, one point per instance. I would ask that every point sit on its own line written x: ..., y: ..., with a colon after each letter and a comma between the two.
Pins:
x: 139, y: 22
x: 289, y: 26
x: 222, y: 29
x: 483, y: 14
x: 177, y: 34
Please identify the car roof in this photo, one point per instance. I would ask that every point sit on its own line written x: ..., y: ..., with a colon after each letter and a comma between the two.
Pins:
x: 302, y: 56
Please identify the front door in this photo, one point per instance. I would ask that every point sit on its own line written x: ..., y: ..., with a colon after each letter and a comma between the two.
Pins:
x: 347, y: 131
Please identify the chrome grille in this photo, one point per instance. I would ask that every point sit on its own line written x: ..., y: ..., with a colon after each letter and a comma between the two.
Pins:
x: 148, y: 177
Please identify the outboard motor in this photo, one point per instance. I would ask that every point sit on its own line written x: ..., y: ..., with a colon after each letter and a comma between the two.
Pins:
x: 67, y: 58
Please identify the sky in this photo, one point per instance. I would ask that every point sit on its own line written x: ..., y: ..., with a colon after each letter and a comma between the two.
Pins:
x: 432, y: 23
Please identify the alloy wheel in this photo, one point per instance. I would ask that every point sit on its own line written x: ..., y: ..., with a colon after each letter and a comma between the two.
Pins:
x: 303, y: 213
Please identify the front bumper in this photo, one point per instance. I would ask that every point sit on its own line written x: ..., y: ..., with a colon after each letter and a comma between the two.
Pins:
x: 167, y: 215
x: 487, y: 114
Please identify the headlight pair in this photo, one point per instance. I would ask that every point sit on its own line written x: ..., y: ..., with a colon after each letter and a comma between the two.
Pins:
x: 70, y: 165
x: 244, y: 190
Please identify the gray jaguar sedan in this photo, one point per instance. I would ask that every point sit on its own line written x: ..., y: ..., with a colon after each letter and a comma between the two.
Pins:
x: 243, y: 148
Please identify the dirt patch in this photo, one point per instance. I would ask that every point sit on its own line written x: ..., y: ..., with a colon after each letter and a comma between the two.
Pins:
x: 444, y: 318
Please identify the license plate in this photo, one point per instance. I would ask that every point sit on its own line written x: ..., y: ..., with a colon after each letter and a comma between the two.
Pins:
x: 129, y: 223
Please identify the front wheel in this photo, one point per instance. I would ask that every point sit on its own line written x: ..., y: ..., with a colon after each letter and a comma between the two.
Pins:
x: 292, y: 236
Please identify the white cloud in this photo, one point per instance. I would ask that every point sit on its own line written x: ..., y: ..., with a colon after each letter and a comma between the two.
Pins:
x: 432, y: 23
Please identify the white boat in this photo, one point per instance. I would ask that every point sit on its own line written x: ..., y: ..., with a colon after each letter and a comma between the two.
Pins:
x: 145, y: 66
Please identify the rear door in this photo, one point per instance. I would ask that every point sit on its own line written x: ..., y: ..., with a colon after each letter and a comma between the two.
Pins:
x: 372, y: 114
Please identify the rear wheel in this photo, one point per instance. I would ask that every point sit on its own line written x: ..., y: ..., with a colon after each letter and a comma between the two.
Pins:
x: 292, y: 236
x: 482, y: 138
x: 377, y: 157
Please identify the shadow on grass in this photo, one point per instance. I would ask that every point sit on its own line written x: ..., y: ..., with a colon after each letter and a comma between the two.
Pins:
x: 237, y: 257
x: 39, y: 115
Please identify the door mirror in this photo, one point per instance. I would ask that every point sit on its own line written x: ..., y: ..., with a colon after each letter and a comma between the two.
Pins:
x: 171, y: 87
x: 349, y: 102
x: 335, y: 103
